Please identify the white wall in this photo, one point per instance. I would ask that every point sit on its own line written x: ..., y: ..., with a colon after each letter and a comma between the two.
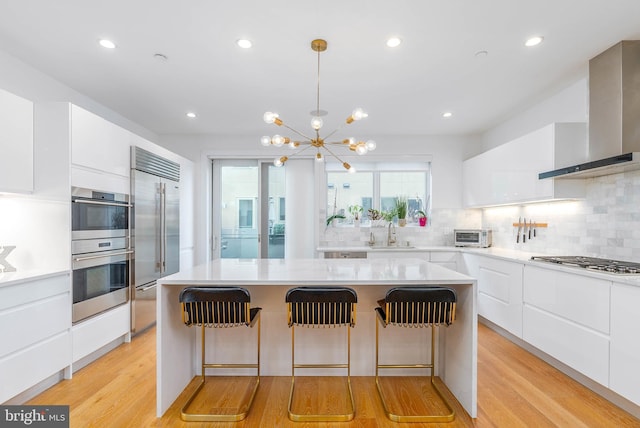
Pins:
x: 446, y: 152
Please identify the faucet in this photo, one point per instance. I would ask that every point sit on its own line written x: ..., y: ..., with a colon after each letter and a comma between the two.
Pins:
x: 391, y: 236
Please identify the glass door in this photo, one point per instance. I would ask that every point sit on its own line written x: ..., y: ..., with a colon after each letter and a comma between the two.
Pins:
x: 248, y: 209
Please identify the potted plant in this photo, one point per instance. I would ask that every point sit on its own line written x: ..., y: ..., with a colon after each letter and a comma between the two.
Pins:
x: 422, y: 218
x: 401, y: 210
x: 355, y: 211
x: 331, y: 218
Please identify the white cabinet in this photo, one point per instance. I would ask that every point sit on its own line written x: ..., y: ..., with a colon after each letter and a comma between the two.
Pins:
x: 35, y: 338
x: 100, y: 152
x: 99, y: 331
x: 499, y: 290
x: 508, y: 174
x: 625, y: 341
x: 567, y: 316
x: 16, y: 143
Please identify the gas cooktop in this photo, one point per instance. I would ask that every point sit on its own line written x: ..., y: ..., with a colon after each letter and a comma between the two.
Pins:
x: 593, y: 263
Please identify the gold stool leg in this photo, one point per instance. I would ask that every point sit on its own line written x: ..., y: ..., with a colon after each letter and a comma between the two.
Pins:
x: 244, y: 407
x: 413, y: 418
x: 340, y: 417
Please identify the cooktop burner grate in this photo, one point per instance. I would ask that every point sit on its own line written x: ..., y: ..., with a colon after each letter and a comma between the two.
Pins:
x: 593, y: 263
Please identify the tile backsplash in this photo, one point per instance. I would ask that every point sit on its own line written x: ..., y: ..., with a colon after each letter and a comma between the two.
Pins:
x: 604, y: 224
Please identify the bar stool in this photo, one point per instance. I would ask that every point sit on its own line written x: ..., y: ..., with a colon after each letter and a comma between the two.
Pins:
x: 325, y: 307
x: 416, y: 307
x: 219, y: 307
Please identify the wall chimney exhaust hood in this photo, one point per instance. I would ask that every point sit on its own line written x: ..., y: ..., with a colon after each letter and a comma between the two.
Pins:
x: 614, y: 114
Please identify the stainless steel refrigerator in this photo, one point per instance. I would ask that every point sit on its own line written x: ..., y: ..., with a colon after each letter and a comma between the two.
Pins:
x: 155, y: 189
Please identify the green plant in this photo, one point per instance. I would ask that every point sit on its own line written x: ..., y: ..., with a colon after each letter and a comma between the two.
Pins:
x: 333, y: 217
x: 389, y: 215
x: 401, y: 207
x: 355, y: 211
x: 374, y: 214
x: 421, y: 213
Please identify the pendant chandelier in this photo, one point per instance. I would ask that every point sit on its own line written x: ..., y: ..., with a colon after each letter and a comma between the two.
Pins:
x: 320, y: 144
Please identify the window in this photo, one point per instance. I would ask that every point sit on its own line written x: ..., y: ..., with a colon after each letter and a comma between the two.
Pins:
x: 377, y: 186
x: 245, y: 213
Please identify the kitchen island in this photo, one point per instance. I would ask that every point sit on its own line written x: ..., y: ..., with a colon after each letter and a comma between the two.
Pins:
x: 269, y: 279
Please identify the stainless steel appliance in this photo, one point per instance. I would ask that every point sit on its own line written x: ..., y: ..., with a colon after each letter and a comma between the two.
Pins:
x: 155, y: 230
x: 593, y: 263
x: 481, y: 238
x: 101, y: 256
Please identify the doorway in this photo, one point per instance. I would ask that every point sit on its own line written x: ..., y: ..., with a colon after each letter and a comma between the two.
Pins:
x: 248, y: 209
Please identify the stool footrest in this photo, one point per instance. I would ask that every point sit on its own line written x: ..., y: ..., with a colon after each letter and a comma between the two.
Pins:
x: 405, y: 366
x: 320, y: 366
x: 230, y: 366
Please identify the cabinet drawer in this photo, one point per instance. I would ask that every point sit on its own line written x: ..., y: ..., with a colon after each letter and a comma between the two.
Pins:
x: 578, y: 298
x: 96, y: 332
x: 582, y: 349
x: 22, y: 370
x: 27, y: 324
x: 30, y: 291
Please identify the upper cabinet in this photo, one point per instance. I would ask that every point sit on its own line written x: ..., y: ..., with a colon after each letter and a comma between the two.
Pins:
x: 100, y: 153
x: 98, y: 143
x: 508, y: 174
x: 16, y: 143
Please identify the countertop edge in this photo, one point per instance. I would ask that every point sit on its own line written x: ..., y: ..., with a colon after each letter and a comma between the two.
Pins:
x: 15, y: 278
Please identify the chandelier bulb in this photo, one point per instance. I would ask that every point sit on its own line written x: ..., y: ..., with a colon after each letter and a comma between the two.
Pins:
x: 319, y: 157
x: 361, y: 148
x: 346, y: 166
x: 278, y: 140
x: 265, y: 140
x: 280, y: 161
x: 371, y: 145
x: 316, y: 122
x: 270, y: 117
x: 357, y: 114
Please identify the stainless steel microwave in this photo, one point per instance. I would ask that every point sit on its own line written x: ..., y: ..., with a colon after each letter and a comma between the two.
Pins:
x: 480, y: 238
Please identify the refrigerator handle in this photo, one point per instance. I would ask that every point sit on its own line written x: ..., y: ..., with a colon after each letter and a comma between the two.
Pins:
x: 163, y: 232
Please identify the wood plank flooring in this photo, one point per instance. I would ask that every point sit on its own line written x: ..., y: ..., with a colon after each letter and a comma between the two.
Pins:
x: 515, y: 389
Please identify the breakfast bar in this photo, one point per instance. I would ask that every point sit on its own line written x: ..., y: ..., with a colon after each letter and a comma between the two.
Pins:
x: 268, y: 281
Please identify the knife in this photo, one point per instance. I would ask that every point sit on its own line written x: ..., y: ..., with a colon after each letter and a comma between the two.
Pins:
x: 534, y: 230
x: 524, y: 231
x: 530, y: 227
x: 519, y: 229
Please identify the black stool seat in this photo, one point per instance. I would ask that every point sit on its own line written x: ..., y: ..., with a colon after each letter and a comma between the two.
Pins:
x: 416, y: 307
x: 322, y: 307
x: 219, y: 307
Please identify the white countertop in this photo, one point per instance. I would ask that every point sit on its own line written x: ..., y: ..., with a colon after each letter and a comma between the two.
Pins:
x: 500, y: 253
x: 316, y: 272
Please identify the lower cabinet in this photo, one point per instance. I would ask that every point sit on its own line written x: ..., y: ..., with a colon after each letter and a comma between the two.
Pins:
x: 35, y: 338
x: 499, y: 290
x: 96, y: 332
x: 625, y: 341
x: 567, y: 317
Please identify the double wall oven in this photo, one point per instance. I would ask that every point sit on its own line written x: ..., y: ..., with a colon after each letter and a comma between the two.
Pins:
x: 101, y: 251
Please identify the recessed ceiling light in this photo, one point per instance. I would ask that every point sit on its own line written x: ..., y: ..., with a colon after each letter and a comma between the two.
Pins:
x: 533, y: 41
x: 191, y: 115
x: 105, y: 43
x: 244, y: 43
x: 394, y: 42
x: 447, y: 114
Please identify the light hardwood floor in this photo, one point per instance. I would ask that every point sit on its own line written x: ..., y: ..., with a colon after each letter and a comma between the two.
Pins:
x: 515, y: 389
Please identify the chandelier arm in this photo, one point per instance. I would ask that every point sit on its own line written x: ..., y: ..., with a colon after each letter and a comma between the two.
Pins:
x: 300, y: 151
x: 334, y: 131
x: 297, y: 132
x: 333, y: 154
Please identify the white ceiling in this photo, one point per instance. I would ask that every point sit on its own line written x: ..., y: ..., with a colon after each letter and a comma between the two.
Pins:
x: 405, y: 90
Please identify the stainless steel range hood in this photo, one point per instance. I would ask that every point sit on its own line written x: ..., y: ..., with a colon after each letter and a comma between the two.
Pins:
x: 614, y: 114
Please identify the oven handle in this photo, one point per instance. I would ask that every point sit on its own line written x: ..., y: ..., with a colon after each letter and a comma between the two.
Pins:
x: 113, y: 204
x: 99, y: 256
